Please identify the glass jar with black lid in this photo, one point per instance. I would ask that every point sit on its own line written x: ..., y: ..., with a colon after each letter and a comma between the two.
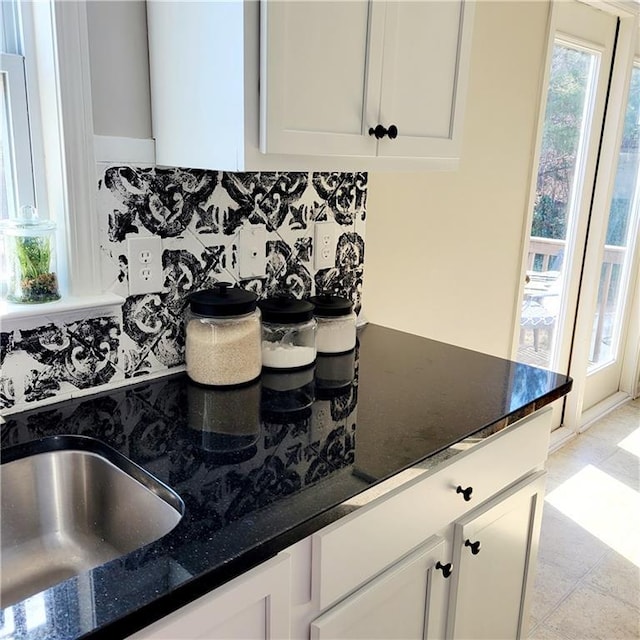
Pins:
x: 288, y: 333
x: 223, y: 336
x: 336, y: 324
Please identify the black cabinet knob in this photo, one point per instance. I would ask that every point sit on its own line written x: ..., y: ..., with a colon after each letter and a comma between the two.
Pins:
x: 466, y: 493
x: 445, y: 568
x: 474, y: 546
x: 381, y: 132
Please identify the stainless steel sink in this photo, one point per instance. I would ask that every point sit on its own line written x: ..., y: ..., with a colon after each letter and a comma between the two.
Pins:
x: 71, y: 509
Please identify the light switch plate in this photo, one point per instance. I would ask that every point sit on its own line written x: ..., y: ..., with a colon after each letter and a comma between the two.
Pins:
x: 252, y: 251
x: 145, y: 265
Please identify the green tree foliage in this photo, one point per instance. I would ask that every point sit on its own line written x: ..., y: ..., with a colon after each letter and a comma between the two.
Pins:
x: 561, y: 137
x: 569, y: 78
x: 549, y: 220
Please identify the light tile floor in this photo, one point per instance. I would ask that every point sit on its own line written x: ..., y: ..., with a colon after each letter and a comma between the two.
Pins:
x: 588, y: 578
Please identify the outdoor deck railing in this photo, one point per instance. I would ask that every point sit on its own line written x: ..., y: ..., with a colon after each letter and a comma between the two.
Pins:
x: 549, y: 248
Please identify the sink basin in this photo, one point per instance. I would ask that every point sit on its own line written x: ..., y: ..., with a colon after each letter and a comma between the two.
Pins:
x: 73, y: 506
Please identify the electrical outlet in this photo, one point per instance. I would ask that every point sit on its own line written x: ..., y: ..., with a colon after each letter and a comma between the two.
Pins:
x: 145, y: 265
x: 252, y: 251
x: 324, y: 244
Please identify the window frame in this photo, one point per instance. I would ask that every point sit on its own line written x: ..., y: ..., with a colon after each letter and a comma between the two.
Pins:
x: 18, y: 143
x: 58, y: 85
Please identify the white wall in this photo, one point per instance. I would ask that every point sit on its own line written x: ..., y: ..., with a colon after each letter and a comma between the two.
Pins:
x: 443, y: 250
x: 119, y: 58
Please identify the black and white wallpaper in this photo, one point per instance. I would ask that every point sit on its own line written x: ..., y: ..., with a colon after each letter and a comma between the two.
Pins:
x: 198, y: 215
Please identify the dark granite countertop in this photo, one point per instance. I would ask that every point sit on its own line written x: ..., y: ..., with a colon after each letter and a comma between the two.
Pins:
x: 270, y: 464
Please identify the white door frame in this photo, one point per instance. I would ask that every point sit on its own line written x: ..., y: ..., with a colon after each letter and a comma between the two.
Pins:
x: 574, y: 419
x: 630, y: 376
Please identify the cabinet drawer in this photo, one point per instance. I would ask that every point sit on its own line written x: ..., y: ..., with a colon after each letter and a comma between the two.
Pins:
x: 352, y: 550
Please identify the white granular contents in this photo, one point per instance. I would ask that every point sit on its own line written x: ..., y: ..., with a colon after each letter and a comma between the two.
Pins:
x: 223, y: 354
x: 286, y: 356
x: 336, y: 335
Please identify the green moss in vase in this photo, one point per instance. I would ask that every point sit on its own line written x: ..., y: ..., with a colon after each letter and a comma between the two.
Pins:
x: 34, y: 282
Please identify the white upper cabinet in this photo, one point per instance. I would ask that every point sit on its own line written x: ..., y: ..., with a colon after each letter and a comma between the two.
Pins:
x: 313, y: 80
x: 424, y: 76
x: 335, y: 72
x: 305, y: 84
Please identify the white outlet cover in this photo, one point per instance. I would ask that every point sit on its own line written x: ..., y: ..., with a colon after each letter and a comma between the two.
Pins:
x: 324, y: 244
x: 145, y: 265
x: 252, y: 251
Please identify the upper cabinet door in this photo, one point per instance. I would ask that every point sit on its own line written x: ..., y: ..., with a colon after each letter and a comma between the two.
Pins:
x: 319, y: 75
x: 331, y: 72
x: 301, y: 84
x: 424, y: 77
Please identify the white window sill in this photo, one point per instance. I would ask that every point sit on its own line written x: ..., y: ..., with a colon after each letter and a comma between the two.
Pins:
x: 12, y: 312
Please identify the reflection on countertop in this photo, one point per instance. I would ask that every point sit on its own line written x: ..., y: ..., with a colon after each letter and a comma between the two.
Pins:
x: 262, y: 466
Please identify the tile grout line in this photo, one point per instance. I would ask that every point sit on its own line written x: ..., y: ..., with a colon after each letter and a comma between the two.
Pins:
x: 603, y: 590
x: 578, y: 583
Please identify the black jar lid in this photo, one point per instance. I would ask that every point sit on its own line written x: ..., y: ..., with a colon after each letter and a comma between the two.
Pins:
x: 327, y: 305
x: 223, y: 300
x: 285, y: 310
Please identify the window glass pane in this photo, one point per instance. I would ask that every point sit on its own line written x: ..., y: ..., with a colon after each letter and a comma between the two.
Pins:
x: 10, y: 41
x: 623, y: 213
x: 7, y: 185
x: 559, y: 182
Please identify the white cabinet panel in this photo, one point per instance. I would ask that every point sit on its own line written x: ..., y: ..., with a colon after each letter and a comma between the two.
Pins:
x: 255, y: 606
x: 406, y: 602
x: 420, y: 98
x: 331, y: 71
x: 426, y: 55
x: 396, y: 524
x: 314, y: 76
x: 494, y: 550
x: 196, y: 62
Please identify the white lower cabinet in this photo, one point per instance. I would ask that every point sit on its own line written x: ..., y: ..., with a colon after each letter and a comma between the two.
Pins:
x: 435, y: 553
x: 407, y: 601
x: 494, y: 553
x: 254, y: 606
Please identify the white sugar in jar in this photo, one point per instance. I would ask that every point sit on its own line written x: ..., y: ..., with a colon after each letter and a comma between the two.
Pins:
x: 336, y: 319
x: 288, y: 333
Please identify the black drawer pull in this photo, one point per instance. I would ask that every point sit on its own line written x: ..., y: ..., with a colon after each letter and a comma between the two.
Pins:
x: 381, y: 132
x: 445, y: 568
x: 474, y: 546
x: 466, y: 493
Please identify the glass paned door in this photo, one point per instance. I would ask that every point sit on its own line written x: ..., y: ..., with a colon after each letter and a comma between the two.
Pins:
x: 569, y: 154
x: 616, y: 264
x: 563, y: 155
x: 619, y: 242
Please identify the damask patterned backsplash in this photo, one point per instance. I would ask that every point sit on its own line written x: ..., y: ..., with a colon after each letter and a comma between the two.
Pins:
x: 198, y: 215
